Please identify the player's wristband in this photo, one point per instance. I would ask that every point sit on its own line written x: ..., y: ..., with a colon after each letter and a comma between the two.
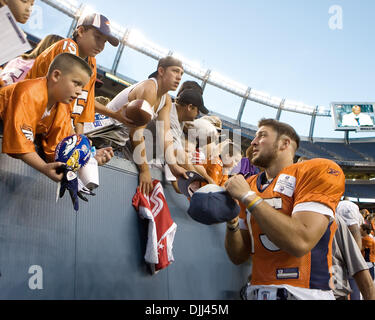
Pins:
x: 250, y: 193
x: 254, y: 203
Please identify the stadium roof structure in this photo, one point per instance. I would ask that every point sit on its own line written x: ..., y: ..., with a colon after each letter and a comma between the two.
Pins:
x: 134, y: 39
x: 357, y: 157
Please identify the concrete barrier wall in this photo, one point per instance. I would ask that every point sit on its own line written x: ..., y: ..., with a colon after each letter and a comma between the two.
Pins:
x: 47, y: 251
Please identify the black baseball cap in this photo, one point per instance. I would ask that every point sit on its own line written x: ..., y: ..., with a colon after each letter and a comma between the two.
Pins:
x: 188, y: 187
x: 101, y: 23
x: 192, y: 96
x: 166, y: 62
x: 212, y: 204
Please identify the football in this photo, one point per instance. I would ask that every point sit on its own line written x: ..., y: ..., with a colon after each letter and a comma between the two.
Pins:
x: 139, y: 111
x: 75, y: 151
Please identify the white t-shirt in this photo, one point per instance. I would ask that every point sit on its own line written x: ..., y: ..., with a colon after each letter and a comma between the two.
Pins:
x: 176, y: 128
x: 349, y: 212
x: 122, y: 135
x: 16, y: 70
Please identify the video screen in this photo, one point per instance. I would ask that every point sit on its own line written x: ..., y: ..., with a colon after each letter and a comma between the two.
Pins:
x: 353, y: 116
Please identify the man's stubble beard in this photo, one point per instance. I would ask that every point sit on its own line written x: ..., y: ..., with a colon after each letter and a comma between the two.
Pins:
x: 265, y: 160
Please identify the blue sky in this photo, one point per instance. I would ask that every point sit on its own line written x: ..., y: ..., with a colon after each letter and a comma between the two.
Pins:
x: 285, y: 48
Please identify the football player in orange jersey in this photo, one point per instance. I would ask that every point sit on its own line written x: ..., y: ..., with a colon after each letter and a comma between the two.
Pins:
x: 287, y: 218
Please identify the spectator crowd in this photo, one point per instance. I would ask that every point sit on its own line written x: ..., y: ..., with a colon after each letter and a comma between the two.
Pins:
x: 305, y: 241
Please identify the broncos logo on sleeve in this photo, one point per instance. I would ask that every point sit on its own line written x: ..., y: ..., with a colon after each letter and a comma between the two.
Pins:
x: 28, y: 132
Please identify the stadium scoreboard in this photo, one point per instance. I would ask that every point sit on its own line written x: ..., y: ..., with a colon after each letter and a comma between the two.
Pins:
x: 353, y: 116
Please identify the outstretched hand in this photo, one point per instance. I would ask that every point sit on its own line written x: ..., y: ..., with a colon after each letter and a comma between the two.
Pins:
x: 178, y: 171
x: 104, y: 155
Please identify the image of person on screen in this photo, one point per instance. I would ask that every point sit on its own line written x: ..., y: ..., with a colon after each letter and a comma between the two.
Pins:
x: 356, y: 118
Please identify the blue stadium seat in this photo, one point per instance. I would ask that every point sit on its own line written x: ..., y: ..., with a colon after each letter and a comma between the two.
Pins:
x: 342, y: 150
x: 360, y: 191
x: 317, y: 151
x: 367, y: 149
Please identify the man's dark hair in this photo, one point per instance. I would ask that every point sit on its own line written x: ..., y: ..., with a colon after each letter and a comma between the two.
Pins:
x: 281, y: 128
x: 190, y: 85
x: 65, y: 62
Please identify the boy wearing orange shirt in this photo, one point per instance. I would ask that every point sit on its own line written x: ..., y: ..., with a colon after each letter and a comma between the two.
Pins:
x: 41, y: 107
x: 89, y: 39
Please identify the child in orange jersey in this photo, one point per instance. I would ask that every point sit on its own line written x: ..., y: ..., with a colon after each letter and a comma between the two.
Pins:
x: 89, y: 39
x: 21, y: 9
x: 41, y: 107
x: 368, y: 247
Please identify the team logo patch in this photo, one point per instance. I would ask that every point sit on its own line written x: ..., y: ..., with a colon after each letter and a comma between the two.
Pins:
x: 334, y: 172
x: 286, y: 185
x: 28, y: 132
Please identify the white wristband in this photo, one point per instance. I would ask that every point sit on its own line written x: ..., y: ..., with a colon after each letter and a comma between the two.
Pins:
x: 250, y: 193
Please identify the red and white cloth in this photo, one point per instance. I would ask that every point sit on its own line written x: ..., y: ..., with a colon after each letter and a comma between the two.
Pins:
x: 161, y: 228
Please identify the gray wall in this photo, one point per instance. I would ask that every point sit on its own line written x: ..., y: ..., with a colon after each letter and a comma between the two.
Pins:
x: 98, y: 253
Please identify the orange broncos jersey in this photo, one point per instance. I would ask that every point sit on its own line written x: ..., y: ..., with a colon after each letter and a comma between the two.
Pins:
x: 214, y: 169
x: 368, y: 248
x: 83, y: 108
x: 23, y: 111
x: 317, y: 180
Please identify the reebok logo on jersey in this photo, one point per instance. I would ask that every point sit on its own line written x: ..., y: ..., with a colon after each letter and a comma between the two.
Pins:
x: 28, y: 132
x: 333, y: 172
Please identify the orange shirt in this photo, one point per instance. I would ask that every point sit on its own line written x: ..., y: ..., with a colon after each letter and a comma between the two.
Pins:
x: 373, y: 226
x: 317, y: 180
x: 2, y: 83
x: 83, y: 108
x: 23, y: 108
x: 214, y: 169
x: 368, y: 248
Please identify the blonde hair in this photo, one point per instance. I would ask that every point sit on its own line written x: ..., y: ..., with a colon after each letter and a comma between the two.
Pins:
x: 42, y: 45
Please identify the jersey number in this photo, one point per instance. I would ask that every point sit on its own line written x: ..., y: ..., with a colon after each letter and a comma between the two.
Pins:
x: 80, y: 103
x: 70, y: 46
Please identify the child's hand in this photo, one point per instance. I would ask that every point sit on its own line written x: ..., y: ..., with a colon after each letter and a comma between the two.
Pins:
x: 52, y: 172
